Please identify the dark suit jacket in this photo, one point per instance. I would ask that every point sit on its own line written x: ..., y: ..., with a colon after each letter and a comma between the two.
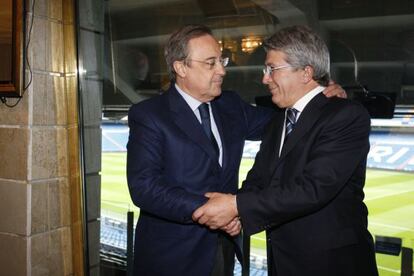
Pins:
x: 171, y: 164
x: 310, y: 199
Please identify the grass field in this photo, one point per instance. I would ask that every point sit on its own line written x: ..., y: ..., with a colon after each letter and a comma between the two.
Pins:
x: 389, y: 197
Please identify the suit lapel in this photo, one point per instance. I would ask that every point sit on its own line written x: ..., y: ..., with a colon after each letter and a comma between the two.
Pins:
x: 185, y: 120
x: 275, y: 138
x: 223, y: 132
x: 306, y: 121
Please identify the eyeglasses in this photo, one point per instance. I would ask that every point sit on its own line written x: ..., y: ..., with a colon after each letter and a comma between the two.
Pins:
x: 269, y: 69
x: 213, y: 62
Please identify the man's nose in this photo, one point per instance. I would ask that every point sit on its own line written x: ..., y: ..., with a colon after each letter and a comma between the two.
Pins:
x: 266, y: 79
x: 220, y: 69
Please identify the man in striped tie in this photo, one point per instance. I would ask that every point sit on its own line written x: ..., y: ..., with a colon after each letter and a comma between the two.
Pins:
x: 306, y: 185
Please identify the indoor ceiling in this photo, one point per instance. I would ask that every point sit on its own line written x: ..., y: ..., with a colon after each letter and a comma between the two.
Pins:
x: 380, y: 33
x: 133, y: 20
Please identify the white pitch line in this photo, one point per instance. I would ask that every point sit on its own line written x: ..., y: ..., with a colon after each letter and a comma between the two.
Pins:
x: 120, y: 205
x: 389, y: 194
x: 389, y: 269
x: 392, y: 226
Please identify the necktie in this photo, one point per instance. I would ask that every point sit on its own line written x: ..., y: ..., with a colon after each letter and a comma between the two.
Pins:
x: 290, y: 120
x: 206, y: 124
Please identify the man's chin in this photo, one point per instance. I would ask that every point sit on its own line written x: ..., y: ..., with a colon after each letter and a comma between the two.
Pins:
x: 212, y: 95
x: 277, y: 102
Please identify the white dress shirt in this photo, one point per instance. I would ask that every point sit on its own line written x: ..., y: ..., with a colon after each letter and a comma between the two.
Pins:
x: 300, y: 106
x: 194, y: 104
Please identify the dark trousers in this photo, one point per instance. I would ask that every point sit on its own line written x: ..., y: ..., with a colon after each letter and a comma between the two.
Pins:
x: 224, y: 260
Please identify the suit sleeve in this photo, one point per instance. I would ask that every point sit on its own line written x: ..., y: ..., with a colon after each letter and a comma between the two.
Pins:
x: 339, y: 148
x: 148, y: 186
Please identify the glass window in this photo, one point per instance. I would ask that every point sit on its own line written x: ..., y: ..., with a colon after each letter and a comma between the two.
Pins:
x: 372, y: 55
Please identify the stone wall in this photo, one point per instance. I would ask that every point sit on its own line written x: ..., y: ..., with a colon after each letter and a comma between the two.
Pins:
x: 40, y: 202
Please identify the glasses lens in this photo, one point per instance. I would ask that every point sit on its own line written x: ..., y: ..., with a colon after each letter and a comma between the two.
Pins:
x: 224, y: 61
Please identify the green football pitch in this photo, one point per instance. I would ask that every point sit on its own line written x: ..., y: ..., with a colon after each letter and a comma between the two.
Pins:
x: 389, y: 196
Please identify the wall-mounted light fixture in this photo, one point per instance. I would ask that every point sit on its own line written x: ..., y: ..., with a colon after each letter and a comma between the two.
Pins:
x: 248, y: 44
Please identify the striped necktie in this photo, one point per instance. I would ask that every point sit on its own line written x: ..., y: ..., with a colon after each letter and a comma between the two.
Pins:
x: 290, y: 120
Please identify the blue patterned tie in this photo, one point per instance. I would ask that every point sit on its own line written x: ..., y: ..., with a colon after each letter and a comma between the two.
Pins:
x: 206, y: 124
x: 290, y: 120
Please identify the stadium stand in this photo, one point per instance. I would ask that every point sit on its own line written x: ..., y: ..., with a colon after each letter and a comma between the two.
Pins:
x: 114, y: 242
x: 391, y: 148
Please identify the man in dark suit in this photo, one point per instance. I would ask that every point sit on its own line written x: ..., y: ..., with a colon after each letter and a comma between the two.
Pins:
x: 182, y: 144
x: 172, y: 161
x: 306, y: 185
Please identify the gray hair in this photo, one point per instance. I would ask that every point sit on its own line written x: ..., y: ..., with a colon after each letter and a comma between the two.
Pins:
x: 176, y: 48
x: 302, y: 47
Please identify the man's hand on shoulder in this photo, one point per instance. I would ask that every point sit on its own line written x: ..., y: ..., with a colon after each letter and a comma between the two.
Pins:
x: 334, y: 90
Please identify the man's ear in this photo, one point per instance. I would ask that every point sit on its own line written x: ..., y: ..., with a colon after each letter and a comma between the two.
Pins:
x: 308, y: 74
x: 180, y: 68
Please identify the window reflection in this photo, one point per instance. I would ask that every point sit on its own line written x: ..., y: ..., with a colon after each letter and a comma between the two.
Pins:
x: 371, y: 45
x: 381, y: 38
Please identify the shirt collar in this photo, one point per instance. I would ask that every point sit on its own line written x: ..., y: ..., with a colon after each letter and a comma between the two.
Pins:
x: 192, y: 102
x: 302, y: 102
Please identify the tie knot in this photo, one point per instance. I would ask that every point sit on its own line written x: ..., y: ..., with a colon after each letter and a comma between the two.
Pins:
x: 204, y: 111
x: 291, y: 115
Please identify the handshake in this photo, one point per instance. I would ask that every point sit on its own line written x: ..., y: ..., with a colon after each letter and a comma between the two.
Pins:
x: 219, y: 212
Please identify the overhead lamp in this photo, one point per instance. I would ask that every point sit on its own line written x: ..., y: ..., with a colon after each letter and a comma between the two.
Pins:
x: 250, y: 43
